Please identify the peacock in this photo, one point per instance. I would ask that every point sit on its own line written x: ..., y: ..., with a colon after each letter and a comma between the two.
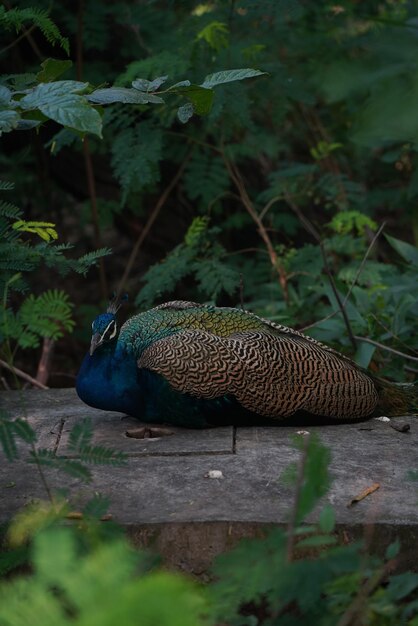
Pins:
x: 195, y: 365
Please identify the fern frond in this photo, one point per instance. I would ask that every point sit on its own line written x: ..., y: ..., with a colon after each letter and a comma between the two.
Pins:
x: 9, y: 210
x: 162, y: 278
x: 47, y: 315
x: 205, y: 178
x: 47, y: 458
x: 12, y: 429
x: 164, y: 62
x: 81, y: 434
x: 82, y: 265
x: 15, y: 18
x: 213, y: 277
x: 6, y: 185
x: 199, y: 256
x: 99, y: 455
x: 45, y: 230
x: 135, y: 156
x: 97, y: 506
x: 15, y: 258
x: 7, y: 437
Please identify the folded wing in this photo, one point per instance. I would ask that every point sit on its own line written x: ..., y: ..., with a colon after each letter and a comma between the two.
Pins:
x: 272, y: 374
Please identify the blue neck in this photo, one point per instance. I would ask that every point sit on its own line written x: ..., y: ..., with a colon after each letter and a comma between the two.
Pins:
x: 108, y: 380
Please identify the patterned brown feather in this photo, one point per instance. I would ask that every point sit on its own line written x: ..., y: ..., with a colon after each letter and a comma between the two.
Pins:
x: 273, y: 374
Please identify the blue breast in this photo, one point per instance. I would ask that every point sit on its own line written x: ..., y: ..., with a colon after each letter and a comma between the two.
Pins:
x: 110, y: 380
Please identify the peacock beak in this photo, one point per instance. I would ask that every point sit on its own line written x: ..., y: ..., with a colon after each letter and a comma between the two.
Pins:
x: 95, y: 341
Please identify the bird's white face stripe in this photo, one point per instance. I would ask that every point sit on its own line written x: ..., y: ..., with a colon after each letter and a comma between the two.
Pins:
x: 106, y: 330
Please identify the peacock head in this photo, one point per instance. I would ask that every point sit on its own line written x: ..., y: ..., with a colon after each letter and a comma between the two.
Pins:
x: 104, y: 327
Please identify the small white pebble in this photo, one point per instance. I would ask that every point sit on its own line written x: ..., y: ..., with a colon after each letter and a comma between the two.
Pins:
x: 302, y: 432
x: 214, y: 474
x: 382, y: 419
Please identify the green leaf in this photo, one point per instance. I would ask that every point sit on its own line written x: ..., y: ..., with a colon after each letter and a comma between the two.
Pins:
x: 26, y: 124
x: 364, y: 353
x: 60, y: 102
x: 80, y: 434
x: 327, y: 519
x: 54, y: 554
x: 229, y: 76
x: 215, y: 34
x: 351, y: 221
x: 185, y: 112
x: 149, y: 85
x: 123, y: 94
x: 47, y: 315
x: 316, y: 478
x: 9, y: 120
x: 51, y: 69
x: 135, y: 156
x: 5, y: 95
x: 45, y: 230
x: 7, y: 438
x: 45, y: 92
x: 402, y: 585
x: 97, y: 506
x: 200, y: 97
x: 99, y: 455
x: 24, y: 430
x: 47, y: 458
x: 182, y: 83
x: 408, y: 252
x: 393, y: 549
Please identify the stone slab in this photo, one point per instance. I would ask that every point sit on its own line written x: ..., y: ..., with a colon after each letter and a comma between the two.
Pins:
x: 165, y: 483
x: 54, y: 412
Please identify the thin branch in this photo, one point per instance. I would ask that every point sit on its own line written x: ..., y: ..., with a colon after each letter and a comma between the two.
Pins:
x: 222, y: 195
x: 17, y: 372
x: 5, y: 383
x: 261, y: 250
x: 44, y: 364
x: 337, y: 296
x: 383, y: 347
x: 41, y: 473
x: 392, y: 334
x: 24, y: 34
x: 27, y: 32
x: 151, y: 219
x: 88, y: 163
x: 241, y: 291
x: 268, y: 206
x: 315, y: 234
x: 190, y: 139
x: 361, y: 267
x: 91, y: 184
x: 352, y: 614
x: 356, y: 277
x: 236, y: 177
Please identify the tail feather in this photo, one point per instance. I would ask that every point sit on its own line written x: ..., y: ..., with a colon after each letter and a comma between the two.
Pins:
x: 396, y: 398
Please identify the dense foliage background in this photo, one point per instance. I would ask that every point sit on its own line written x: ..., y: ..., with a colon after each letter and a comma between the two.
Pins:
x: 291, y: 191
x: 286, y: 180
